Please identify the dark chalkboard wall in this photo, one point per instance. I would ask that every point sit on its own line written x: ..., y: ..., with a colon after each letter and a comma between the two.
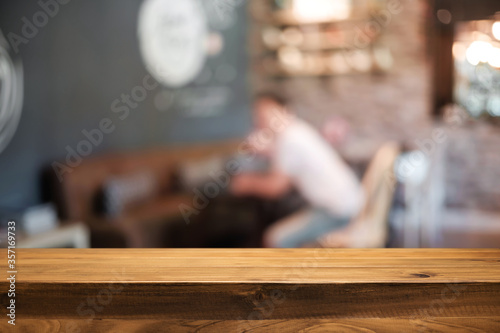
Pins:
x: 83, y: 59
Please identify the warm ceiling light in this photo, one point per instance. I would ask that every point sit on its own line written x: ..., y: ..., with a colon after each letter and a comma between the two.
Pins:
x: 478, y: 51
x: 459, y: 50
x: 494, y: 57
x: 496, y: 30
x: 320, y: 10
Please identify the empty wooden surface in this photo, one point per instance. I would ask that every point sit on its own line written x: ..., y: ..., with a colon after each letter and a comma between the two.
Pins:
x: 237, y: 290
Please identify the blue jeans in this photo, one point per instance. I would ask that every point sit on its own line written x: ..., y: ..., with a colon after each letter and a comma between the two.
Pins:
x: 304, y: 227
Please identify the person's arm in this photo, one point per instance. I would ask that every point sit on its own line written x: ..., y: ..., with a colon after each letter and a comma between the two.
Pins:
x: 271, y: 185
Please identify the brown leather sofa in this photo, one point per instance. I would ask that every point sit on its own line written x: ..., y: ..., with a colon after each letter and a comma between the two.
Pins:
x: 77, y: 196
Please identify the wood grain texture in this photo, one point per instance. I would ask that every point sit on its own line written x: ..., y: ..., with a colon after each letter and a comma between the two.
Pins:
x: 316, y: 290
x: 265, y: 326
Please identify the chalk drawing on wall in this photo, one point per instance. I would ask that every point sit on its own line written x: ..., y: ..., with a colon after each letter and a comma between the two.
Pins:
x: 11, y: 93
x: 172, y: 37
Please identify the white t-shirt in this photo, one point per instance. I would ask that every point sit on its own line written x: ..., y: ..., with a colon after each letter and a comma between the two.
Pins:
x: 317, y: 170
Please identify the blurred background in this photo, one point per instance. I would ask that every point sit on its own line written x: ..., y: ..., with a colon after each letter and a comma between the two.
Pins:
x: 119, y: 119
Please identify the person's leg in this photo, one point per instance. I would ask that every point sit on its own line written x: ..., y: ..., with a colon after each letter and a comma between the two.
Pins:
x: 302, y: 228
x: 277, y: 235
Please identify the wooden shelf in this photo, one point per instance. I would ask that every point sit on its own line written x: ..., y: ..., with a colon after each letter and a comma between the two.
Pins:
x: 286, y: 19
x: 285, y: 46
x: 322, y: 41
x: 327, y: 63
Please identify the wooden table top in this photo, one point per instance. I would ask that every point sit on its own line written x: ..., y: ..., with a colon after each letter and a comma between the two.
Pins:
x: 254, y: 290
x: 306, y: 266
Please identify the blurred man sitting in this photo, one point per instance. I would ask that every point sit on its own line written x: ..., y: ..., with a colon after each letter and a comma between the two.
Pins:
x: 302, y: 158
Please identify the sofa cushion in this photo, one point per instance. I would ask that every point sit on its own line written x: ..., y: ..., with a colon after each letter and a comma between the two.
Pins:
x: 126, y: 191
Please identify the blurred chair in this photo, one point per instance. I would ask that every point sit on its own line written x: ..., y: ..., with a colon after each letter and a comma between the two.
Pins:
x: 369, y: 229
